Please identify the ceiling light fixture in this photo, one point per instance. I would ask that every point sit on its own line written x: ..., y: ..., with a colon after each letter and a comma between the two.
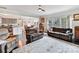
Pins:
x: 40, y: 9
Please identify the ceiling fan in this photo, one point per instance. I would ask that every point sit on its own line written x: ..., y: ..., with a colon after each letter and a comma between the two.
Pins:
x: 3, y: 7
x: 40, y: 8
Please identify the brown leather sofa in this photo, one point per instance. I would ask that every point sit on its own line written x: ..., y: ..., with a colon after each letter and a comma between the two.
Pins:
x: 61, y: 33
x: 32, y: 35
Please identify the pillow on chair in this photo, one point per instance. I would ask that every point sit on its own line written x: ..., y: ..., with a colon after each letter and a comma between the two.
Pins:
x: 67, y: 32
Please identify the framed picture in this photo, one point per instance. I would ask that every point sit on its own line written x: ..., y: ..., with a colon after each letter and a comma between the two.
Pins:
x: 76, y: 17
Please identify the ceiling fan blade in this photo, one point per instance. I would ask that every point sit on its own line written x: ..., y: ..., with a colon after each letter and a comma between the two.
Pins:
x: 43, y: 10
x: 40, y: 8
x: 3, y: 7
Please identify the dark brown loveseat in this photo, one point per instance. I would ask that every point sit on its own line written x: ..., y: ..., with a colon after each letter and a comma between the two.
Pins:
x: 61, y: 33
x: 32, y: 35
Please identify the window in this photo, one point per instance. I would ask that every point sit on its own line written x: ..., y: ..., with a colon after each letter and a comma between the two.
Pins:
x: 63, y: 22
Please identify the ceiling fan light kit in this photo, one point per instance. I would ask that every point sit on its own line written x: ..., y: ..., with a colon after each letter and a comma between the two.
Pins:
x: 40, y: 9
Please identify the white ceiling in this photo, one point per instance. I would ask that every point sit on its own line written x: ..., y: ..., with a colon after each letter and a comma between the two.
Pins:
x: 31, y: 10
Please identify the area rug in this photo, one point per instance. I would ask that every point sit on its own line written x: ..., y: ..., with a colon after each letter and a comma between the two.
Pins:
x: 49, y: 45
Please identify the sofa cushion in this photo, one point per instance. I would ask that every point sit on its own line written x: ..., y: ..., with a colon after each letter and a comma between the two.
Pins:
x: 68, y: 31
x: 59, y: 33
x: 62, y: 30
